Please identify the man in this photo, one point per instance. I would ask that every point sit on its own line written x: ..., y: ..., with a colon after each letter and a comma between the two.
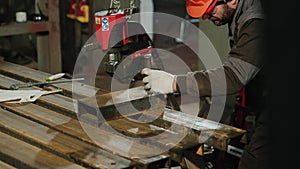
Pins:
x: 243, y: 69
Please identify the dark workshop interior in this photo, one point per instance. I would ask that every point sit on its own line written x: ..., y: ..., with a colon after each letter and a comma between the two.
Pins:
x: 93, y: 123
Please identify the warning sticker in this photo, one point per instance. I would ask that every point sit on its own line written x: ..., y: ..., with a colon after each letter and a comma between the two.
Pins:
x: 105, y: 25
x: 97, y: 21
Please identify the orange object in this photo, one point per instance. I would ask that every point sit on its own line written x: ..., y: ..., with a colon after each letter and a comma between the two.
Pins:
x: 200, y: 150
x: 196, y: 8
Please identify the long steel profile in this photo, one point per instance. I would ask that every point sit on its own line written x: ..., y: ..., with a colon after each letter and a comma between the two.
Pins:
x: 29, y: 84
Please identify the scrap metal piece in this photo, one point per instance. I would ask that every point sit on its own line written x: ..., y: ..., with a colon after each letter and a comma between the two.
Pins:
x: 22, y: 96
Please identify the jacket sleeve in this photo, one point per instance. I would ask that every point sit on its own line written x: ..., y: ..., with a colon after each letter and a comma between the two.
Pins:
x: 244, y: 61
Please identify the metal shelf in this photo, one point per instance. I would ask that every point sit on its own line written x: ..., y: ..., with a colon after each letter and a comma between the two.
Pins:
x: 48, y: 47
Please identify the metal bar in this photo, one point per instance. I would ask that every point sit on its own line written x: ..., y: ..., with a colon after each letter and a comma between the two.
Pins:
x: 29, y: 84
x: 131, y: 101
x: 210, y: 132
x: 234, y: 151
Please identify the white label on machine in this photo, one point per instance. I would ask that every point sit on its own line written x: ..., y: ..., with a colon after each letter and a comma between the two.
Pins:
x: 105, y: 25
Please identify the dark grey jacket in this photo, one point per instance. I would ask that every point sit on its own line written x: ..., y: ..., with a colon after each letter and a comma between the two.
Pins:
x: 245, y: 60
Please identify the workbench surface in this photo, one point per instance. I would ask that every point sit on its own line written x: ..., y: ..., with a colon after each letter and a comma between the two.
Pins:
x: 47, y: 133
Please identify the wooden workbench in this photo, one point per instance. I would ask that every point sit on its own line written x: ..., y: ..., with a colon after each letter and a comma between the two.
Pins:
x: 48, y: 134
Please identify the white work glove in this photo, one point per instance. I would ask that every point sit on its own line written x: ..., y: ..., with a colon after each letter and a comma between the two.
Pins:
x: 157, y: 81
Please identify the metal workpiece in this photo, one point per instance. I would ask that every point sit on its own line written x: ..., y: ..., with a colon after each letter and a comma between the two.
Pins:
x: 206, y: 131
x: 159, y: 120
x: 30, y: 84
x: 131, y: 102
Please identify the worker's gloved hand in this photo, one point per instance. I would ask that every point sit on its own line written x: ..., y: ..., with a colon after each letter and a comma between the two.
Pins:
x: 157, y: 81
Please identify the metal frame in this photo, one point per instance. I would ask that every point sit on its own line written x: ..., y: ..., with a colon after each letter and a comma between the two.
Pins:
x: 48, y: 46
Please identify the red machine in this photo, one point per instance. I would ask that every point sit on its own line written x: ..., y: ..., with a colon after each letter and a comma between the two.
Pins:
x: 112, y: 30
x: 105, y: 22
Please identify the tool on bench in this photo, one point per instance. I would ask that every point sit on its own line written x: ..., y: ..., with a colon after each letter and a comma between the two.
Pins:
x: 29, y: 84
x: 23, y: 96
x: 55, y: 77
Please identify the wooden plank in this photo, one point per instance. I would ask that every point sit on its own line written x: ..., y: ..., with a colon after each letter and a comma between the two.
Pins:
x: 24, y: 155
x: 58, y: 143
x: 6, y: 166
x: 73, y: 128
x: 26, y: 74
